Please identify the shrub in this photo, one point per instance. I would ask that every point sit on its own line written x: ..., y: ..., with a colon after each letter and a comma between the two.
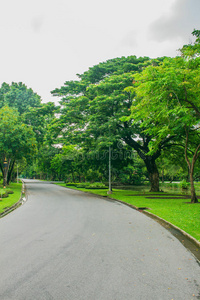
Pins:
x: 71, y: 184
x: 184, y: 184
x: 5, y: 195
x: 82, y: 185
x: 10, y: 192
x: 97, y: 185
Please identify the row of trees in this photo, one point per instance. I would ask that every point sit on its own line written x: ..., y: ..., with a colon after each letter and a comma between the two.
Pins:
x: 23, y: 125
x: 146, y: 110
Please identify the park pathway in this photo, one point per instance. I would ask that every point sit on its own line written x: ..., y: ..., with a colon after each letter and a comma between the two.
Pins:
x: 64, y: 244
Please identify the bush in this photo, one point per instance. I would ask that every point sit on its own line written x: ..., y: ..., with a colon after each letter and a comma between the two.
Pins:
x: 5, y: 195
x: 184, y: 184
x: 82, y: 185
x: 87, y: 185
x: 10, y: 192
x: 71, y: 184
x: 97, y: 185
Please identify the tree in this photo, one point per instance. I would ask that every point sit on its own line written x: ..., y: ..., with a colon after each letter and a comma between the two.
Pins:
x: 17, y: 140
x: 172, y: 165
x: 168, y: 98
x: 17, y: 95
x: 93, y: 107
x: 40, y: 118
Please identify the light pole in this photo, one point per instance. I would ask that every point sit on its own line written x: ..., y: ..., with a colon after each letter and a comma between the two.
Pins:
x: 110, y: 187
x: 5, y: 164
x: 17, y: 174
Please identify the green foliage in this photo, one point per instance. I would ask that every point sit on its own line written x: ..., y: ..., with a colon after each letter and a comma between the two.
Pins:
x: 184, y: 184
x: 4, y: 195
x: 167, y: 98
x: 71, y: 184
x: 39, y: 118
x: 96, y: 185
x: 18, y: 96
x: 93, y: 109
x: 16, y: 138
x: 9, y: 192
x: 87, y: 185
x: 192, y: 50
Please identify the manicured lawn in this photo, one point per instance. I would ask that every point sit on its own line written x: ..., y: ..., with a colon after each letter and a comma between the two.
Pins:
x: 176, y: 211
x: 12, y: 198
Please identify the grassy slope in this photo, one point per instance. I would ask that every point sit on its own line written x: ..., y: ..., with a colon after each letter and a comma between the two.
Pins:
x: 12, y: 198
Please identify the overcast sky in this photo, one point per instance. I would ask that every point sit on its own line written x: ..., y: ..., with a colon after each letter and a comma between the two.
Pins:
x: 47, y: 42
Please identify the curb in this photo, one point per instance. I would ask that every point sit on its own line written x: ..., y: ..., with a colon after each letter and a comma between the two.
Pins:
x: 21, y: 201
x: 161, y: 220
x: 174, y: 226
x: 191, y: 244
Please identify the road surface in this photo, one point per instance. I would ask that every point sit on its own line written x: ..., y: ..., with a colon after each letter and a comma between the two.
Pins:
x: 63, y: 244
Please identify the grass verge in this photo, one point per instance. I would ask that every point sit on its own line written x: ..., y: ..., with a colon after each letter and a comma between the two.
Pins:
x: 12, y: 198
x: 179, y: 212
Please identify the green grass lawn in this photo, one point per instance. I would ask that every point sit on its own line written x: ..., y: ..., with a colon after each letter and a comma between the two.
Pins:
x: 12, y: 198
x: 176, y: 211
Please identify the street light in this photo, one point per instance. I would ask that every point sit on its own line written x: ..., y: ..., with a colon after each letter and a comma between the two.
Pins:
x: 17, y: 174
x: 5, y: 164
x: 110, y: 187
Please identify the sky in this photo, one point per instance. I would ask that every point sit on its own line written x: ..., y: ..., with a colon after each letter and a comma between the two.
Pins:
x: 47, y: 42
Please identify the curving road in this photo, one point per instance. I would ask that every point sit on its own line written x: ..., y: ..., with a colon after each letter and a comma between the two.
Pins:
x: 63, y: 244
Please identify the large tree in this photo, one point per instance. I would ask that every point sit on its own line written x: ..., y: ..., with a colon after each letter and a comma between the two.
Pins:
x: 168, y: 101
x: 93, y: 107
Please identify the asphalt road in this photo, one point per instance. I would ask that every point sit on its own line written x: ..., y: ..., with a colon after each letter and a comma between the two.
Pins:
x: 63, y: 244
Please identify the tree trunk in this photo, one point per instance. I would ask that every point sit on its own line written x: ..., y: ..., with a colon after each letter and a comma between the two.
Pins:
x: 5, y: 171
x: 191, y: 167
x: 153, y: 174
x: 10, y: 170
x: 193, y: 193
x: 162, y: 175
x: 150, y: 161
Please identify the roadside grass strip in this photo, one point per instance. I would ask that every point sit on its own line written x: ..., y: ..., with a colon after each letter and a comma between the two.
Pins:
x: 12, y: 199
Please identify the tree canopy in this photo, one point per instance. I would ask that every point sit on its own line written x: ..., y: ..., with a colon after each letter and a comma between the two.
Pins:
x: 93, y: 109
x: 168, y: 103
x: 16, y: 140
x: 17, y: 95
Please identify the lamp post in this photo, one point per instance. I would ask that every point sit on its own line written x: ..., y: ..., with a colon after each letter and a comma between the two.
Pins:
x: 17, y: 174
x: 110, y: 187
x: 5, y: 164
